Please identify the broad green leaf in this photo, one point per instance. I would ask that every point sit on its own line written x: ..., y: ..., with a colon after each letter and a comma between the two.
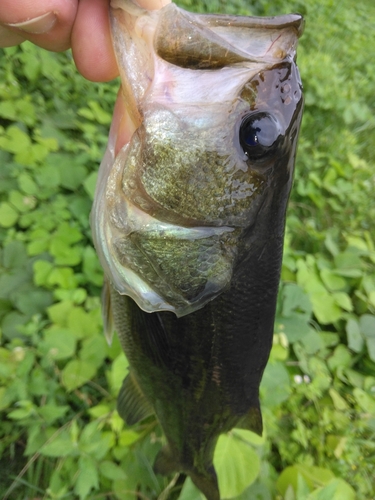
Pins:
x: 190, y: 491
x: 303, y: 489
x: 63, y: 277
x: 99, y: 411
x: 250, y: 437
x: 71, y: 175
x: 343, y: 300
x: 312, y: 342
x: 117, y: 373
x: 126, y: 489
x: 341, y: 358
x: 338, y: 401
x: 325, y: 307
x: 6, y: 398
x: 12, y: 324
x: 57, y: 486
x: 39, y: 384
x: 88, y: 477
x: 128, y: 437
x: 83, y: 323
x: 51, y: 412
x: 11, y: 282
x: 331, y: 243
x: 288, y: 478
x: 355, y: 378
x: 16, y: 141
x: 336, y: 489
x: 68, y: 234
x: 275, y: 386
x: 348, y: 260
x: 8, y: 215
x: 365, y: 401
x: 14, y: 255
x: 58, y: 313
x: 37, y: 437
x: 42, y: 269
x: 321, y: 378
x: 21, y: 202
x: 48, y: 177
x: 77, y: 373
x: 355, y: 339
x: 111, y: 471
x: 295, y: 300
x: 367, y: 325
x: 236, y: 463
x: 64, y: 254
x: 59, y: 343
x: 21, y: 413
x: 91, y: 267
x: 313, y: 476
x: 58, y: 445
x: 295, y: 327
x: 331, y: 280
x: 27, y: 184
x: 90, y: 184
x: 94, y: 349
x: 31, y: 300
x: 93, y: 442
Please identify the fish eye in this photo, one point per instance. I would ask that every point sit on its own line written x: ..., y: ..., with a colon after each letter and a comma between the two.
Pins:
x: 259, y: 134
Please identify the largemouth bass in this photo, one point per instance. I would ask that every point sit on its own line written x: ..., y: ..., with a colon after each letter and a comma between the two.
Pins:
x: 188, y: 219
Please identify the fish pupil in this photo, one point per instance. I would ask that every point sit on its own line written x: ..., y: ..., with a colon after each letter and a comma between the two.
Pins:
x: 251, y: 137
x: 259, y: 134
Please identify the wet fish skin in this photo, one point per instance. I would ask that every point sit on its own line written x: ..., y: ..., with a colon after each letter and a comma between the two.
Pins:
x: 189, y: 218
x: 201, y: 373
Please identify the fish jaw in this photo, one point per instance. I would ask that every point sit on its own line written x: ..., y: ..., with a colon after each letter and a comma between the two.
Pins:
x: 177, y: 195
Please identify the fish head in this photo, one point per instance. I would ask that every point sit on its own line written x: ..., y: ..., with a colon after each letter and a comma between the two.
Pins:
x: 216, y: 104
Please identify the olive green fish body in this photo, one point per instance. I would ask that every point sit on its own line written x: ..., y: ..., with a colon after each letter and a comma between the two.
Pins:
x: 201, y: 373
x: 188, y: 219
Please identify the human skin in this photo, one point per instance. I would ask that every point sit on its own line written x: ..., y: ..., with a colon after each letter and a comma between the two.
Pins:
x: 58, y: 25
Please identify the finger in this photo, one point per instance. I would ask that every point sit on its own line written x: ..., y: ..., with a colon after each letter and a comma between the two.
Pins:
x: 91, y: 41
x: 47, y: 23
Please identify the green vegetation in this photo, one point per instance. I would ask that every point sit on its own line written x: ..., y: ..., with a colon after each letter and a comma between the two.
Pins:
x: 60, y: 436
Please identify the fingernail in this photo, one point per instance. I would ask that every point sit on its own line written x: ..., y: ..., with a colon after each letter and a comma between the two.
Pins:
x: 37, y: 25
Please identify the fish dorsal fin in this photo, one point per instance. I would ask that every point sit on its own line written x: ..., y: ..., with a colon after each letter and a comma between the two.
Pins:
x: 132, y: 405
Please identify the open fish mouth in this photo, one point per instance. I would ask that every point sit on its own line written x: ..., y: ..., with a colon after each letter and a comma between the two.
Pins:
x: 214, y: 105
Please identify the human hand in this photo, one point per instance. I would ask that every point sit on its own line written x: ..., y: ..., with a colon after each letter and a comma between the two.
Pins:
x: 58, y: 25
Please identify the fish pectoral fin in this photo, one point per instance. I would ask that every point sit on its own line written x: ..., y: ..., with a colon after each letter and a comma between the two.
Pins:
x: 252, y: 421
x: 205, y: 479
x: 132, y: 404
x: 107, y: 312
